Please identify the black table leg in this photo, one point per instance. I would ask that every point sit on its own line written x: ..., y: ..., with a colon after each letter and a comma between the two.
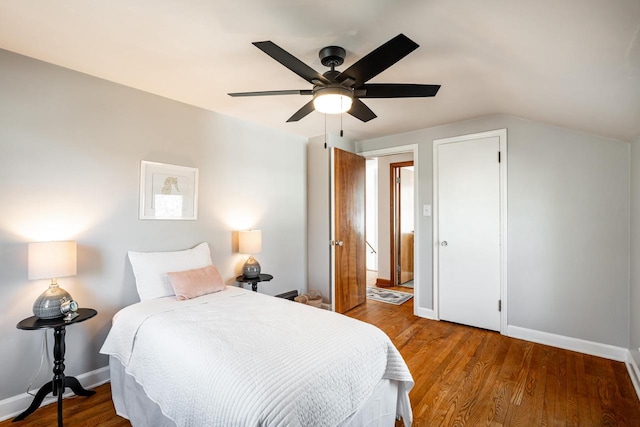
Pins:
x: 58, y: 367
x: 60, y: 393
x: 75, y: 386
x: 40, y: 395
x: 254, y: 286
x: 59, y: 382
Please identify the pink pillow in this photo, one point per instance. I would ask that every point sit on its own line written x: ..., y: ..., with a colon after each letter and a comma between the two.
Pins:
x: 194, y: 283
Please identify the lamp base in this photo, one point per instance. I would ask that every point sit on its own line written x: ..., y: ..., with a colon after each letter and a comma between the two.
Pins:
x: 47, y: 305
x: 251, y: 268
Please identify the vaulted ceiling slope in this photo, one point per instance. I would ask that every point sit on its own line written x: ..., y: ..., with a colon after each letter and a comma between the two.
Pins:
x: 572, y: 63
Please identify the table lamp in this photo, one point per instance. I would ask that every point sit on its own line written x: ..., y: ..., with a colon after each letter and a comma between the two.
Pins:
x: 51, y: 260
x: 250, y: 243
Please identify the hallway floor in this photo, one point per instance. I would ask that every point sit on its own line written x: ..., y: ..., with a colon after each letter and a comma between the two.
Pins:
x: 372, y: 276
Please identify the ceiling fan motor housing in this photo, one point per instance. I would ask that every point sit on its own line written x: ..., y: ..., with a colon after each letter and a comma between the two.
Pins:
x: 334, y: 89
x: 332, y: 56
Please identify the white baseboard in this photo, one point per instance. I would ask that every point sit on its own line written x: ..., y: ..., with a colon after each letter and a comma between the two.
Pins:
x: 634, y: 372
x: 426, y: 313
x: 574, y: 344
x: 15, y: 405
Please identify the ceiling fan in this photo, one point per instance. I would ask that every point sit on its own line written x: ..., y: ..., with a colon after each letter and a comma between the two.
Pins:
x: 337, y: 92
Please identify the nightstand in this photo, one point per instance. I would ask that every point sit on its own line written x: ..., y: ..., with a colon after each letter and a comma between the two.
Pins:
x: 254, y: 280
x: 59, y: 382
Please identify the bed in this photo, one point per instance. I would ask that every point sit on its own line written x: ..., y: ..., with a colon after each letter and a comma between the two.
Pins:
x: 241, y: 358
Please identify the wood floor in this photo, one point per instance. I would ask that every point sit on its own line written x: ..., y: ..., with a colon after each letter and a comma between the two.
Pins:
x: 463, y: 377
x: 468, y: 376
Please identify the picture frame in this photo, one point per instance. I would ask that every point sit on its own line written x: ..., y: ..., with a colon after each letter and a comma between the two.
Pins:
x: 168, y: 192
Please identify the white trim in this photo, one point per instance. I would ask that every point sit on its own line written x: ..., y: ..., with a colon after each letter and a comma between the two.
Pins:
x: 13, y: 406
x: 427, y: 313
x: 634, y: 372
x: 574, y: 344
x: 434, y: 232
x: 391, y: 150
x: 504, y: 219
x: 332, y: 227
x: 502, y: 137
x: 417, y: 211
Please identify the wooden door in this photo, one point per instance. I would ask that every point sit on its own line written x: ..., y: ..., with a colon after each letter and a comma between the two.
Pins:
x: 406, y: 258
x: 349, y: 249
x: 469, y: 232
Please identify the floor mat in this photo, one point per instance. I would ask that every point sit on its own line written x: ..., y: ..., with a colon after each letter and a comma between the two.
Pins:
x: 408, y: 284
x: 388, y: 296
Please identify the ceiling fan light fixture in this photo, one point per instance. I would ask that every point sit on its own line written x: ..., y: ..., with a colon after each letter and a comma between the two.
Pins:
x: 334, y: 92
x: 332, y: 100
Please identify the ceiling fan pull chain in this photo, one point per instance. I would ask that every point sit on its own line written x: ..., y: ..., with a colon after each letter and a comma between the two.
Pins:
x: 325, y: 131
x: 341, y: 131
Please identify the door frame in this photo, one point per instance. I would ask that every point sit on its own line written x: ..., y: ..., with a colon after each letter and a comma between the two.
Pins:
x: 425, y: 312
x: 394, y: 223
x: 501, y: 134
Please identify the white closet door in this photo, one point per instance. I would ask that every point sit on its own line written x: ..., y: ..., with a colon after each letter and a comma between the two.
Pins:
x: 469, y: 232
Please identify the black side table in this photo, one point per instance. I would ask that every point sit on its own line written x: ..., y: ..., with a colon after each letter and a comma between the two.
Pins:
x: 254, y: 280
x: 59, y: 382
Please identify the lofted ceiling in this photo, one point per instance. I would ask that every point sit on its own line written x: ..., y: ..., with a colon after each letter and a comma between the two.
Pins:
x: 572, y: 63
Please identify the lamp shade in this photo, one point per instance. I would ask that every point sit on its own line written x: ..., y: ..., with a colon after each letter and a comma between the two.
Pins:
x: 48, y: 260
x: 250, y: 242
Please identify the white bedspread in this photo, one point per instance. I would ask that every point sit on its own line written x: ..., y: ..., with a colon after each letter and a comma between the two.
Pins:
x: 238, y: 357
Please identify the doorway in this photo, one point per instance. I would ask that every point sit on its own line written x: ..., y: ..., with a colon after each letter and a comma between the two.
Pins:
x: 401, y: 227
x: 422, y: 299
x: 383, y: 218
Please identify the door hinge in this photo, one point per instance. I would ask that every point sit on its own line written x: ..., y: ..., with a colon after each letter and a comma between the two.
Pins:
x: 499, y: 305
x: 499, y: 157
x: 397, y: 180
x: 398, y: 269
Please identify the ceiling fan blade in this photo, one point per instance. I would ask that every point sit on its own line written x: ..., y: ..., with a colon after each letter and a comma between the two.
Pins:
x: 398, y: 90
x: 273, y: 92
x: 290, y: 61
x: 306, y: 109
x: 361, y: 111
x: 379, y: 60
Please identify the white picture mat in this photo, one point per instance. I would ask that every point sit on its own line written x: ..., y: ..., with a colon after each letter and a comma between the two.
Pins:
x: 168, y: 191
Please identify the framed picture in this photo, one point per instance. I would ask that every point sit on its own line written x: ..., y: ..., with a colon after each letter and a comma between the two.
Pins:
x: 168, y: 191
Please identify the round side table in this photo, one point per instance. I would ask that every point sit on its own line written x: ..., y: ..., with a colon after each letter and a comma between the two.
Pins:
x: 60, y: 381
x: 254, y: 280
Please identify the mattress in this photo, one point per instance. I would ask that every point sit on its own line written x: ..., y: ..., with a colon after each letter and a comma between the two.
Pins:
x: 132, y: 403
x: 242, y: 358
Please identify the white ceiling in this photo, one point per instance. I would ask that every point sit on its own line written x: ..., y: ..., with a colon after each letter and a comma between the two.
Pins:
x: 573, y: 63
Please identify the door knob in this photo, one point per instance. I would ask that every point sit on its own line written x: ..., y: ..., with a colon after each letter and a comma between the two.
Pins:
x: 444, y: 243
x: 340, y: 243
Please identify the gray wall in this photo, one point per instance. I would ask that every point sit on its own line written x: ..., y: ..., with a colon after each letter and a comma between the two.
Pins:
x: 634, y: 300
x: 71, y: 147
x: 568, y: 225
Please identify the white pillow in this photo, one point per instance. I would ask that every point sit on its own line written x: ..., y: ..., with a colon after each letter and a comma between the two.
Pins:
x: 151, y: 268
